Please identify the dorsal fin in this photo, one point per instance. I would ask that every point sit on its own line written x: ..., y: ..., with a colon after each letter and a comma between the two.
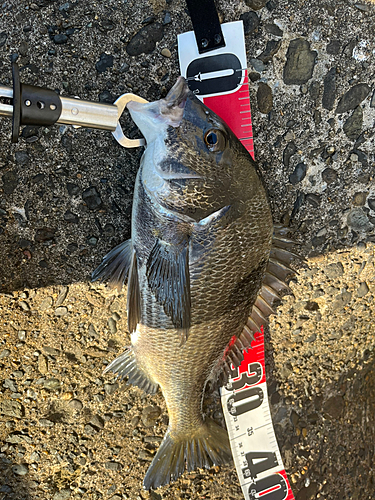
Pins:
x: 274, y: 286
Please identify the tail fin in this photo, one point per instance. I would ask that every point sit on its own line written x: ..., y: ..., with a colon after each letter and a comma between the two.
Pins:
x: 207, y: 447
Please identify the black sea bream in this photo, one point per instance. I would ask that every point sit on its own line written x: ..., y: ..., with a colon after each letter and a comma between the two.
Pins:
x: 197, y: 266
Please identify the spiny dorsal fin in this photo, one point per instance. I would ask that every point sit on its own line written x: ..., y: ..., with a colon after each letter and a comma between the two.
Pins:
x: 274, y: 285
x: 115, y: 265
x: 169, y: 279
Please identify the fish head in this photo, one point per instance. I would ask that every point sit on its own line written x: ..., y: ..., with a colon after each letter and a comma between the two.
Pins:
x: 193, y: 162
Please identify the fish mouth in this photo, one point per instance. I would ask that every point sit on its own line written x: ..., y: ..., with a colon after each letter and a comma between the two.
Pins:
x: 151, y: 117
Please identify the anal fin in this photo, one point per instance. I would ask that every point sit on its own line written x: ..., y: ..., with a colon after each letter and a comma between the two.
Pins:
x: 126, y: 366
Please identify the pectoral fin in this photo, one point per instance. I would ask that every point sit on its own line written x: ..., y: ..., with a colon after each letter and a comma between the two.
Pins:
x: 115, y: 265
x: 169, y: 279
x: 134, y: 296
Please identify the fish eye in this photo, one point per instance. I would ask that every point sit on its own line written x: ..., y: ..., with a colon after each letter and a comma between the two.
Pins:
x: 215, y: 140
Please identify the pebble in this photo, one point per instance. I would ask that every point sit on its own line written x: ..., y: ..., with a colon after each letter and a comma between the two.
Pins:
x: 61, y: 311
x: 22, y: 158
x: 72, y: 188
x: 363, y: 289
x: 250, y: 22
x: 256, y: 4
x: 372, y: 102
x: 271, y: 49
x: 167, y: 18
x: 44, y: 422
x: 288, y: 152
x: 4, y: 353
x: 62, y: 295
x: 92, y: 198
x: 115, y: 466
x: 300, y: 62
x: 353, y: 97
x: 60, y: 39
x: 299, y: 174
x: 112, y: 326
x: 257, y: 64
x: 97, y: 421
x: 42, y: 365
x: 329, y: 175
x: 52, y: 384
x: 34, y: 457
x: 333, y: 47
x: 145, y: 455
x: 144, y: 42
x: 20, y: 470
x: 358, y: 220
x: 273, y: 29
x: 166, y: 53
x: 264, y: 98
x: 76, y: 404
x: 149, y: 415
x: 10, y: 181
x: 329, y: 92
x: 353, y: 125
x: 371, y: 203
x: 69, y: 216
x: 359, y: 199
x: 43, y: 234
x: 3, y: 38
x: 111, y: 388
x: 105, y: 62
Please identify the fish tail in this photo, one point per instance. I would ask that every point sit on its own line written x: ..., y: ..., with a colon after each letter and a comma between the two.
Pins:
x: 207, y: 446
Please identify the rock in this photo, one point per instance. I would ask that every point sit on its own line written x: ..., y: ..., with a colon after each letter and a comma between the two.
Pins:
x: 34, y: 457
x: 71, y: 217
x: 264, y: 98
x: 22, y: 158
x: 271, y: 49
x: 51, y: 384
x: 145, y: 455
x: 300, y: 62
x: 61, y: 311
x: 299, y: 174
x: 273, y: 29
x: 97, y: 421
x: 4, y: 353
x: 60, y: 39
x: 11, y: 409
x: 167, y: 18
x: 115, y: 466
x: 111, y: 388
x: 333, y: 47
x: 358, y: 220
x: 149, y: 415
x: 359, y: 199
x: 144, y: 42
x: 166, y: 53
x: 3, y: 38
x: 73, y: 189
x: 250, y: 22
x: 313, y: 199
x: 341, y: 300
x: 256, y: 4
x: 112, y: 326
x: 288, y: 153
x: 20, y: 470
x: 46, y: 303
x: 353, y: 125
x: 105, y: 62
x: 371, y: 203
x: 363, y: 289
x: 62, y: 295
x: 42, y: 365
x: 63, y: 494
x: 44, y: 234
x: 329, y: 93
x: 76, y: 404
x: 334, y: 406
x: 10, y: 181
x: 92, y: 198
x: 257, y: 64
x: 334, y: 270
x: 329, y: 175
x: 353, y: 97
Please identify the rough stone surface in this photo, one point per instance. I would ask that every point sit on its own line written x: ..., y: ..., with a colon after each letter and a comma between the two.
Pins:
x: 300, y: 62
x: 321, y: 343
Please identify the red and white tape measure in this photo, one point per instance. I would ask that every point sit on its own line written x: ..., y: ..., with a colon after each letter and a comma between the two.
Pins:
x: 219, y: 79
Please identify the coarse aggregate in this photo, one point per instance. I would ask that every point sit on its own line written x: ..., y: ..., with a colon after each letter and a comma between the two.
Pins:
x: 67, y: 430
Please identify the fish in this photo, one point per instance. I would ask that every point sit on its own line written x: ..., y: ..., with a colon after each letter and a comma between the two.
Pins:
x: 204, y: 267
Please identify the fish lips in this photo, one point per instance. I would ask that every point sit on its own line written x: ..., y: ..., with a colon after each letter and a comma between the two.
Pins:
x: 152, y: 117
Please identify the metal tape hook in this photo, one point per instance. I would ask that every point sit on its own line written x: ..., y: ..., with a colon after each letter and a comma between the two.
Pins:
x: 118, y: 134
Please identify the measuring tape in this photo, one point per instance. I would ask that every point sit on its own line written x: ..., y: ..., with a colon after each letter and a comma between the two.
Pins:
x: 219, y: 79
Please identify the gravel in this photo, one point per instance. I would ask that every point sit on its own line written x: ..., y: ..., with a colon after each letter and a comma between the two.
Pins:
x: 65, y: 200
